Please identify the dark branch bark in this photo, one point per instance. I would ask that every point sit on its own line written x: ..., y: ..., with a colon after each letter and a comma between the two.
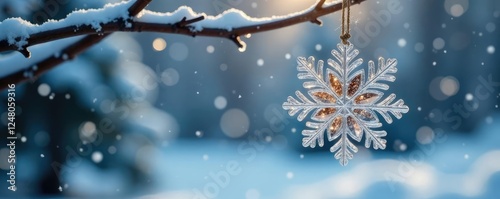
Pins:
x: 182, y: 27
x: 138, y: 6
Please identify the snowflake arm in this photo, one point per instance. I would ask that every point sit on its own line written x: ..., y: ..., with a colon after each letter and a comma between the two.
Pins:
x: 385, y: 107
x: 372, y: 136
x: 384, y: 72
x: 344, y: 148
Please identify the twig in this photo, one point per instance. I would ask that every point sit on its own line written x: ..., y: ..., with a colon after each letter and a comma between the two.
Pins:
x: 182, y: 27
x: 137, y: 7
x: 319, y: 7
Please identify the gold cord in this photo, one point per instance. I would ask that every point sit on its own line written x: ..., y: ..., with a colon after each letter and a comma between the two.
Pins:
x: 346, y: 21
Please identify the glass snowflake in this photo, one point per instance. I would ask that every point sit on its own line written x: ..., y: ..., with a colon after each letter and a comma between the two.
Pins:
x: 344, y: 101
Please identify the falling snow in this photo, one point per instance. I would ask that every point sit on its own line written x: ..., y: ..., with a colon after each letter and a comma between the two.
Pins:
x: 490, y: 49
x: 199, y: 134
x: 260, y: 62
x: 401, y: 42
x: 44, y: 89
x: 97, y: 157
x: 210, y: 49
x: 318, y: 47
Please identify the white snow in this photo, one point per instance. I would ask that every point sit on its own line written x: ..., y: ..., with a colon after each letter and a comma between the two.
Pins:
x: 229, y: 19
x: 13, y: 28
x: 17, y: 28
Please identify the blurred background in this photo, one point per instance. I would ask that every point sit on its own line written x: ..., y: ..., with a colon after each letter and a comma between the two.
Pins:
x: 150, y: 115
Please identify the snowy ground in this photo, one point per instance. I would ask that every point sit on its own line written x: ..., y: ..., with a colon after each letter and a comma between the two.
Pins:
x: 450, y: 166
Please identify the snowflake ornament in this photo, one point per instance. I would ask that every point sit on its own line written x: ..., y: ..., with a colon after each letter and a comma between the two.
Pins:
x: 344, y: 101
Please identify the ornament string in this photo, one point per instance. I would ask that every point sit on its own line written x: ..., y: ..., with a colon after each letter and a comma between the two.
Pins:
x: 346, y: 10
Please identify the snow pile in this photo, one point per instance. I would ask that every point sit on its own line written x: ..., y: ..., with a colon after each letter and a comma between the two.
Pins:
x: 16, y: 30
x: 228, y: 20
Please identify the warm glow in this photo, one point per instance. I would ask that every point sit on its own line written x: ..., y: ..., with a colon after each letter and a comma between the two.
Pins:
x: 159, y: 44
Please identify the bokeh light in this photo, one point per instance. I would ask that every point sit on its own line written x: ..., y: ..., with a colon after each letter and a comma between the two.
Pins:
x: 159, y: 44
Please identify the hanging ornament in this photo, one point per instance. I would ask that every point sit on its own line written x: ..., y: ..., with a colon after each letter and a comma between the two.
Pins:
x: 343, y: 101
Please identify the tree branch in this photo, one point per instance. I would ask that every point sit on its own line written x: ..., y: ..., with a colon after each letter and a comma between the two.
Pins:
x: 181, y: 27
x: 71, y: 52
x: 137, y: 7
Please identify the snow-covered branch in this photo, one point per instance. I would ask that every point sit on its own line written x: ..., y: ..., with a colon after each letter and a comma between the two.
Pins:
x: 19, y: 35
x: 230, y: 24
x: 37, y: 68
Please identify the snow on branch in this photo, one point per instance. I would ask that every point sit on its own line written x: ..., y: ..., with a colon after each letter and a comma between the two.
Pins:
x: 43, y: 63
x: 18, y: 35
